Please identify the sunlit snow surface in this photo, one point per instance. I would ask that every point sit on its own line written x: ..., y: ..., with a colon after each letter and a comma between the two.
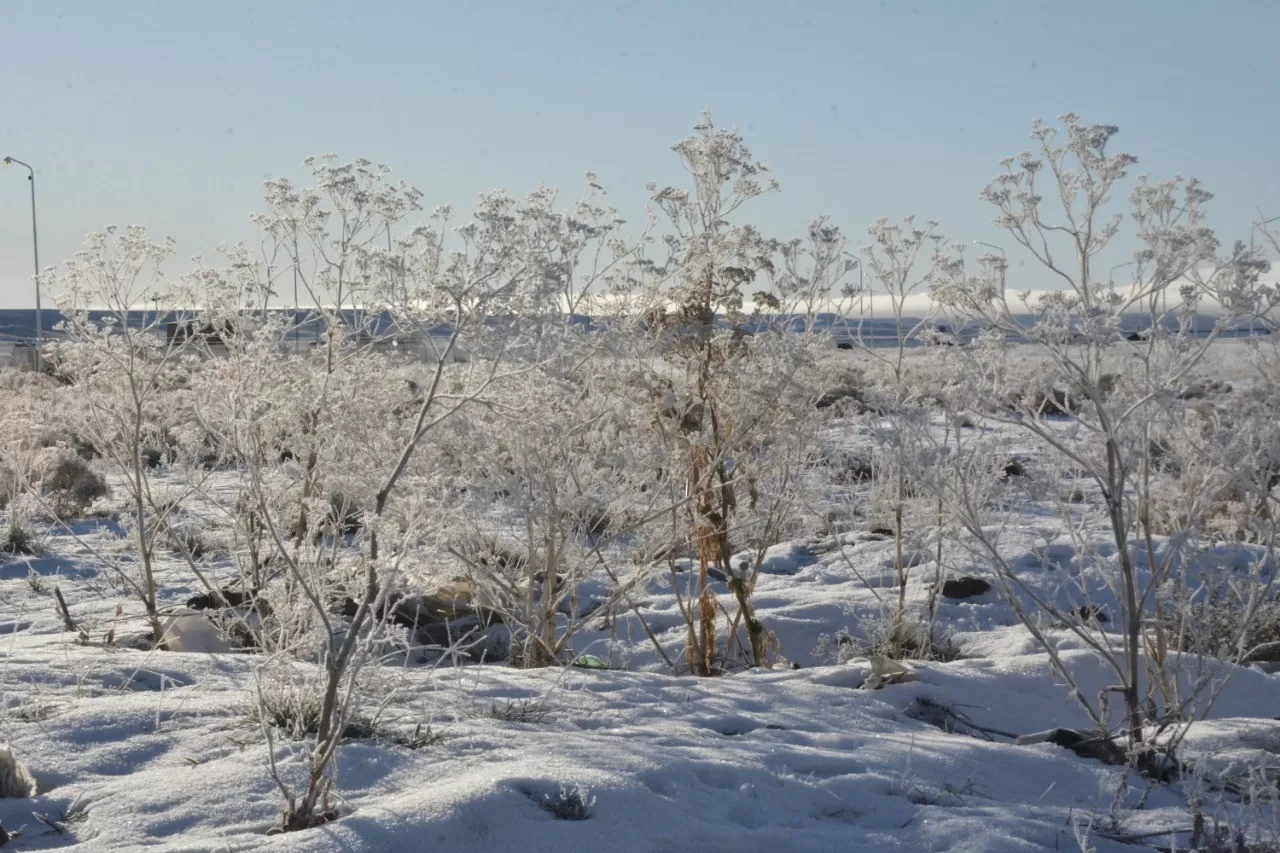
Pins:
x: 151, y: 750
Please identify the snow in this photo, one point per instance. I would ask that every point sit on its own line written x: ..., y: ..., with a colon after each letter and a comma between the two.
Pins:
x: 155, y: 746
x: 146, y: 749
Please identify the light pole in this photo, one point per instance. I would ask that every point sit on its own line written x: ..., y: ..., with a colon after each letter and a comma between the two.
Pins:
x: 35, y: 245
x: 1111, y: 277
x: 862, y: 293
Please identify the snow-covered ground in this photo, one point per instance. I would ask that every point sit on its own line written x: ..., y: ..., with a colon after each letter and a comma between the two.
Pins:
x: 154, y: 752
x: 149, y: 749
x: 145, y: 749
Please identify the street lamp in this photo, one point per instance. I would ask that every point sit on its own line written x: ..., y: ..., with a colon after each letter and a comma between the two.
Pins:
x: 35, y: 245
x: 1111, y: 276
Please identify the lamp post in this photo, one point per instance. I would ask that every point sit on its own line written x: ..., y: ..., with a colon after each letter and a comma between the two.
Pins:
x: 862, y: 291
x: 1111, y: 277
x: 35, y: 245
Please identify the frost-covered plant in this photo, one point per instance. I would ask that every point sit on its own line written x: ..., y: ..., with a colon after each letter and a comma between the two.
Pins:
x: 417, y: 326
x: 568, y: 470
x: 719, y: 393
x: 1116, y: 393
x: 19, y: 536
x: 903, y: 260
x: 120, y: 360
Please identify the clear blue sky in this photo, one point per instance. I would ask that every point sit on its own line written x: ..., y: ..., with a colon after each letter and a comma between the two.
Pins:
x: 170, y: 115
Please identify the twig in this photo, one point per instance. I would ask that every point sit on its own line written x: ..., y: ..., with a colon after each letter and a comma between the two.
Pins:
x: 66, y: 617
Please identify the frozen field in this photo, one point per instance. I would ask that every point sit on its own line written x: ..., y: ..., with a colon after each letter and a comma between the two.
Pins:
x: 147, y: 749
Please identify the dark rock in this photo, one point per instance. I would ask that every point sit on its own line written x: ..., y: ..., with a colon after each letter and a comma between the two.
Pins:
x: 851, y: 470
x: 1088, y: 744
x: 434, y: 620
x: 839, y: 395
x: 1202, y: 389
x: 222, y: 598
x: 1090, y: 613
x: 966, y: 587
x: 418, y: 611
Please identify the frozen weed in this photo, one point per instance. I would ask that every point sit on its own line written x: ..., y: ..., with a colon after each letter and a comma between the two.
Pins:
x: 569, y: 803
x: 517, y: 711
x: 18, y: 540
x: 294, y: 710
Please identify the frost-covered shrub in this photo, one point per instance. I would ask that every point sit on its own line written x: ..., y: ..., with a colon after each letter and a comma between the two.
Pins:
x: 17, y: 539
x: 731, y: 392
x: 1129, y: 432
x: 72, y: 485
x: 78, y: 444
x: 1223, y: 626
x: 844, y: 388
